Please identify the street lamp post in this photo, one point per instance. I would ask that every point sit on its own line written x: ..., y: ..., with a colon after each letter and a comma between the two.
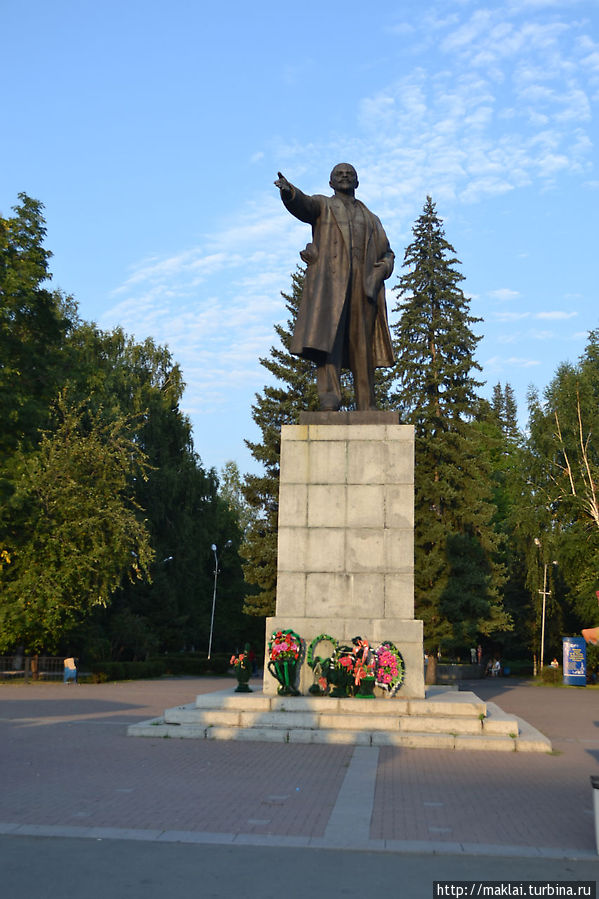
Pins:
x: 214, y: 550
x: 544, y: 593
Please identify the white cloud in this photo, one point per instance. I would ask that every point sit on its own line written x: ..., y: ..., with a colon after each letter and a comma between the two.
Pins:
x: 522, y: 363
x: 508, y: 316
x: 499, y: 119
x: 542, y: 335
x: 556, y: 315
x: 504, y: 293
x: 500, y: 363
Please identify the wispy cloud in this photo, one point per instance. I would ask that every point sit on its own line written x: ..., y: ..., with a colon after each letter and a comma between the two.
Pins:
x: 542, y: 335
x: 508, y: 316
x: 504, y: 294
x: 501, y: 363
x: 522, y: 363
x: 512, y: 113
x: 556, y: 315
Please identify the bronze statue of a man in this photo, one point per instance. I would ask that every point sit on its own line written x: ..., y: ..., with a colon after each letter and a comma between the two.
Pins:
x: 342, y: 319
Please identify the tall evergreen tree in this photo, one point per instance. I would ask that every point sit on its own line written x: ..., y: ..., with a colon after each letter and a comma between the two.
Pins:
x: 505, y: 410
x: 436, y: 391
x: 512, y: 518
x: 279, y: 404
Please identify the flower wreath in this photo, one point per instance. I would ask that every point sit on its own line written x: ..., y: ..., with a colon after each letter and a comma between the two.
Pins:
x: 285, y: 645
x: 389, y: 667
x: 343, y: 659
x: 314, y: 660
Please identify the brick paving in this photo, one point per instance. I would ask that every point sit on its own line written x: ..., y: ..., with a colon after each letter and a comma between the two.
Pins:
x: 67, y: 762
x: 493, y: 798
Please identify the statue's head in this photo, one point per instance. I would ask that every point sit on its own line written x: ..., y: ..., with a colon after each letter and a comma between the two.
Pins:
x: 344, y: 178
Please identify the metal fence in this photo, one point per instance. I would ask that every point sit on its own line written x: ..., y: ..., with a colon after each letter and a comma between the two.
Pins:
x: 26, y: 668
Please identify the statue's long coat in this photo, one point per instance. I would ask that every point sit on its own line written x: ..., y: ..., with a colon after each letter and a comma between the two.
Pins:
x: 327, y: 276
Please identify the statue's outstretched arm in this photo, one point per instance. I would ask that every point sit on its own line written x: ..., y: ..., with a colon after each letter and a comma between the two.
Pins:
x: 299, y: 204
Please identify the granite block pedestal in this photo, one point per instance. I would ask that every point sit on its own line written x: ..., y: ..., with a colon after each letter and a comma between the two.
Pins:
x: 346, y: 536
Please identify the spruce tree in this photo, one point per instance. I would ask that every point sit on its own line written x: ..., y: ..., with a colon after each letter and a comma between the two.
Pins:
x: 293, y: 390
x: 436, y: 391
x: 512, y: 519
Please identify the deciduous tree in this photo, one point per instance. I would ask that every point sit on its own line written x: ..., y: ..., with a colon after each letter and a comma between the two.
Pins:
x: 78, y: 531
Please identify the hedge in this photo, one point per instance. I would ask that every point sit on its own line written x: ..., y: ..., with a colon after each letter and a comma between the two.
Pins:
x: 175, y: 666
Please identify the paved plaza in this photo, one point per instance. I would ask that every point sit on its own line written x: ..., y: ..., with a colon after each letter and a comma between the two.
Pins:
x: 78, y: 796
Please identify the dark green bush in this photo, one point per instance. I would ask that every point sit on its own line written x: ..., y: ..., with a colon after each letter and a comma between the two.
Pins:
x: 519, y: 668
x: 179, y: 664
x: 176, y: 665
x: 218, y: 664
x: 108, y: 671
x: 551, y: 675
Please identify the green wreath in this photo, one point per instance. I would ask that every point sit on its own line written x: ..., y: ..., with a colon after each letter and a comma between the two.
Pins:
x: 314, y: 660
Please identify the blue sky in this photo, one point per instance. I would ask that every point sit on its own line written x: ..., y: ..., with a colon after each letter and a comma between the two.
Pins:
x: 152, y: 133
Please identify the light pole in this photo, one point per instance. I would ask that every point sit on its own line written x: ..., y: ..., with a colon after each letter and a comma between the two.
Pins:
x: 214, y: 549
x: 545, y: 593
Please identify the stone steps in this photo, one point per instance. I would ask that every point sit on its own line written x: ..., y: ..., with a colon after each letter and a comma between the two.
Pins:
x: 444, y: 720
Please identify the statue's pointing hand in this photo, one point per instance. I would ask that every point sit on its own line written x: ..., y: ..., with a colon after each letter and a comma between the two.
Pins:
x: 283, y: 184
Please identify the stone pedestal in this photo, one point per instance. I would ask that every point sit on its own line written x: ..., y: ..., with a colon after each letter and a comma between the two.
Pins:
x: 346, y: 536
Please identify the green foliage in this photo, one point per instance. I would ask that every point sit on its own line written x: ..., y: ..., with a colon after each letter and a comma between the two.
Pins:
x: 76, y: 528
x: 279, y: 404
x: 33, y: 325
x: 506, y: 455
x: 184, y: 511
x: 434, y: 342
x: 70, y: 518
x: 160, y: 666
x: 435, y: 391
x: 231, y: 492
x: 562, y: 466
x: 553, y: 676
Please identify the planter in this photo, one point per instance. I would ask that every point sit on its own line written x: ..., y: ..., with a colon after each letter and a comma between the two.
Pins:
x: 243, y: 676
x: 284, y: 672
x: 366, y: 688
x: 341, y: 683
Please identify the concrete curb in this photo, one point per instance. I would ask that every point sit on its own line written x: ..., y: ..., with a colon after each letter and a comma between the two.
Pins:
x: 402, y: 847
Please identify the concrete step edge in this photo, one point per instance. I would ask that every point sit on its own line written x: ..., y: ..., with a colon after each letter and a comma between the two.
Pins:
x: 532, y: 740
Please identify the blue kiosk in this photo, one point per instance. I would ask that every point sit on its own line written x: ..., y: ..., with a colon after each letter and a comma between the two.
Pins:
x: 575, y: 661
